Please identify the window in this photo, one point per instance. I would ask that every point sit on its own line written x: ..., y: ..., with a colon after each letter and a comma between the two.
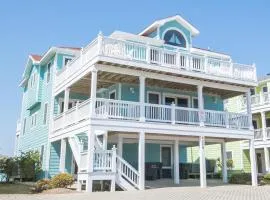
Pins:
x: 265, y: 89
x: 33, y: 80
x: 45, y: 113
x: 24, y: 125
x: 255, y: 125
x: 195, y: 103
x: 41, y: 154
x: 268, y: 122
x: 112, y: 95
x: 229, y: 155
x: 49, y: 72
x: 153, y: 98
x: 33, y: 120
x: 175, y: 38
x: 66, y: 60
x: 252, y: 91
x: 169, y: 100
x: 166, y: 156
x: 182, y: 102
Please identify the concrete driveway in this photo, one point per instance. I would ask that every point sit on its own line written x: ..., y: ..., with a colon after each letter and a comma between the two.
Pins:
x: 231, y: 192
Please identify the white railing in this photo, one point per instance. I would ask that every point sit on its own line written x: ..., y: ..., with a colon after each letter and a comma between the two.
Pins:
x: 164, y: 56
x: 117, y: 109
x: 128, y: 172
x: 258, y: 134
x: 267, y: 130
x: 257, y: 100
x: 127, y: 110
x: 104, y: 160
x: 83, y: 161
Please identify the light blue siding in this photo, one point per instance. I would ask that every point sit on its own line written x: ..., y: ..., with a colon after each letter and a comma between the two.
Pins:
x: 54, y: 158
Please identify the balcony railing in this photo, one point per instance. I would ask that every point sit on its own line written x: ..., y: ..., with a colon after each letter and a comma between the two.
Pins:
x: 257, y: 100
x: 127, y: 110
x: 165, y: 57
x: 261, y: 134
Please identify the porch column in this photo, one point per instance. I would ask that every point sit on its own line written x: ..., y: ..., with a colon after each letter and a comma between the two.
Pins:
x: 253, y: 163
x: 249, y: 110
x: 141, y: 160
x: 202, y: 162
x: 266, y: 159
x: 120, y: 146
x: 224, y: 162
x: 62, y: 162
x: 176, y: 162
x: 105, y: 141
x: 93, y: 91
x: 142, y: 98
x: 90, y: 158
x: 66, y: 99
x: 201, y: 105
x: 263, y: 125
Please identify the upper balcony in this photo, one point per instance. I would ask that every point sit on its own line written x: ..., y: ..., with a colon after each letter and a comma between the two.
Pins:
x: 258, y: 102
x: 161, y: 58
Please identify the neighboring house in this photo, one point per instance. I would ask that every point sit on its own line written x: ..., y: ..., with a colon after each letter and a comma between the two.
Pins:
x: 260, y: 107
x: 153, y: 96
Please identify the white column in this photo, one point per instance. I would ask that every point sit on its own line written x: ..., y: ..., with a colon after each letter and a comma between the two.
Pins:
x: 249, y: 110
x: 266, y: 159
x: 105, y: 141
x: 201, y: 104
x: 202, y: 162
x: 120, y: 146
x: 176, y: 162
x: 263, y: 125
x: 224, y: 162
x: 90, y: 158
x: 66, y: 99
x: 93, y: 91
x: 142, y: 98
x: 141, y: 160
x: 253, y: 163
x: 62, y: 162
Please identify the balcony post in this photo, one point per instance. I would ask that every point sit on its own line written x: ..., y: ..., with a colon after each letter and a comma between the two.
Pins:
x: 266, y: 159
x: 201, y: 105
x: 120, y: 145
x: 173, y: 113
x: 205, y: 63
x: 231, y: 69
x: 90, y: 158
x: 99, y: 40
x: 148, y: 53
x: 66, y: 102
x: 176, y: 162
x: 263, y: 125
x: 248, y: 96
x: 202, y: 162
x: 253, y: 163
x: 142, y: 98
x: 141, y: 160
x: 224, y: 162
x: 77, y: 114
x: 105, y: 141
x: 261, y: 98
x: 93, y: 91
x: 62, y: 162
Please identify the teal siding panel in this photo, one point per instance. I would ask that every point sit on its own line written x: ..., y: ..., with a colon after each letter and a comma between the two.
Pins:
x: 152, y: 152
x: 54, y: 158
x: 130, y: 154
x: 182, y: 154
x: 68, y: 163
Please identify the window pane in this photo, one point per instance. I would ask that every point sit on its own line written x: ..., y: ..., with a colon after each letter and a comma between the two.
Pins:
x: 166, y: 156
x: 169, y: 100
x: 265, y: 89
x: 175, y: 38
x: 45, y: 114
x: 195, y: 103
x: 252, y: 91
x: 153, y: 98
x: 67, y: 60
x: 182, y: 102
x: 112, y: 95
x: 229, y: 155
x: 255, y: 125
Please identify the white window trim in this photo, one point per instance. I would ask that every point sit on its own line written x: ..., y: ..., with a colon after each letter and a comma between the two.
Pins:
x: 31, y: 118
x: 48, y: 82
x: 153, y: 92
x: 192, y: 99
x: 63, y: 60
x: 46, y: 114
x: 175, y: 96
x: 170, y: 146
x: 111, y: 92
x: 24, y: 125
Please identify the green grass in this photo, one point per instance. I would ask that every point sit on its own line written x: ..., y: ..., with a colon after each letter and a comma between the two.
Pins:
x: 6, y: 188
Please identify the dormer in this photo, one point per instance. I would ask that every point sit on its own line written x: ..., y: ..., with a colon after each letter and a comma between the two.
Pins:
x: 174, y: 31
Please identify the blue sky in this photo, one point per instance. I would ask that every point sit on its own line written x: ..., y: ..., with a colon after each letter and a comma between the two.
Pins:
x: 240, y: 28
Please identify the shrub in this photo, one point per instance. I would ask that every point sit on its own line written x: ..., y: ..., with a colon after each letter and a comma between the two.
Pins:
x: 41, y: 185
x: 240, y: 178
x: 61, y: 181
x: 266, y: 179
x: 230, y: 164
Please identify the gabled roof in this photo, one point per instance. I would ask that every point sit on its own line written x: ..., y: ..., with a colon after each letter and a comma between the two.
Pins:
x: 178, y: 18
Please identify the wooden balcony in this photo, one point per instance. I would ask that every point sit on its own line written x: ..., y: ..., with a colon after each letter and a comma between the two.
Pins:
x: 150, y: 113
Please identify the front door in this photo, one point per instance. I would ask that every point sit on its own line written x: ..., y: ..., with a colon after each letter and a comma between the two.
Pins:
x: 259, y: 162
x: 166, y: 160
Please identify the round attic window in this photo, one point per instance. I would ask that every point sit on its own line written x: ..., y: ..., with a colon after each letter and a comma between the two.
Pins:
x: 175, y: 38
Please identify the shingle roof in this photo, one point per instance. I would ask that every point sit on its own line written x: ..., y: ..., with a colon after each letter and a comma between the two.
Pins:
x: 36, y: 57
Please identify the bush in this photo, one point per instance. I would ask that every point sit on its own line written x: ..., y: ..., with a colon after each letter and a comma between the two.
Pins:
x: 61, y: 181
x: 43, y: 184
x: 266, y: 179
x: 240, y: 178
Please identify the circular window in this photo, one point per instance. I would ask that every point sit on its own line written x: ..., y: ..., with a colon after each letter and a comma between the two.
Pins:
x: 175, y: 38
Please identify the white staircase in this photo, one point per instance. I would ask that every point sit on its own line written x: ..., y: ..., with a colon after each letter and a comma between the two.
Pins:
x: 75, y: 147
